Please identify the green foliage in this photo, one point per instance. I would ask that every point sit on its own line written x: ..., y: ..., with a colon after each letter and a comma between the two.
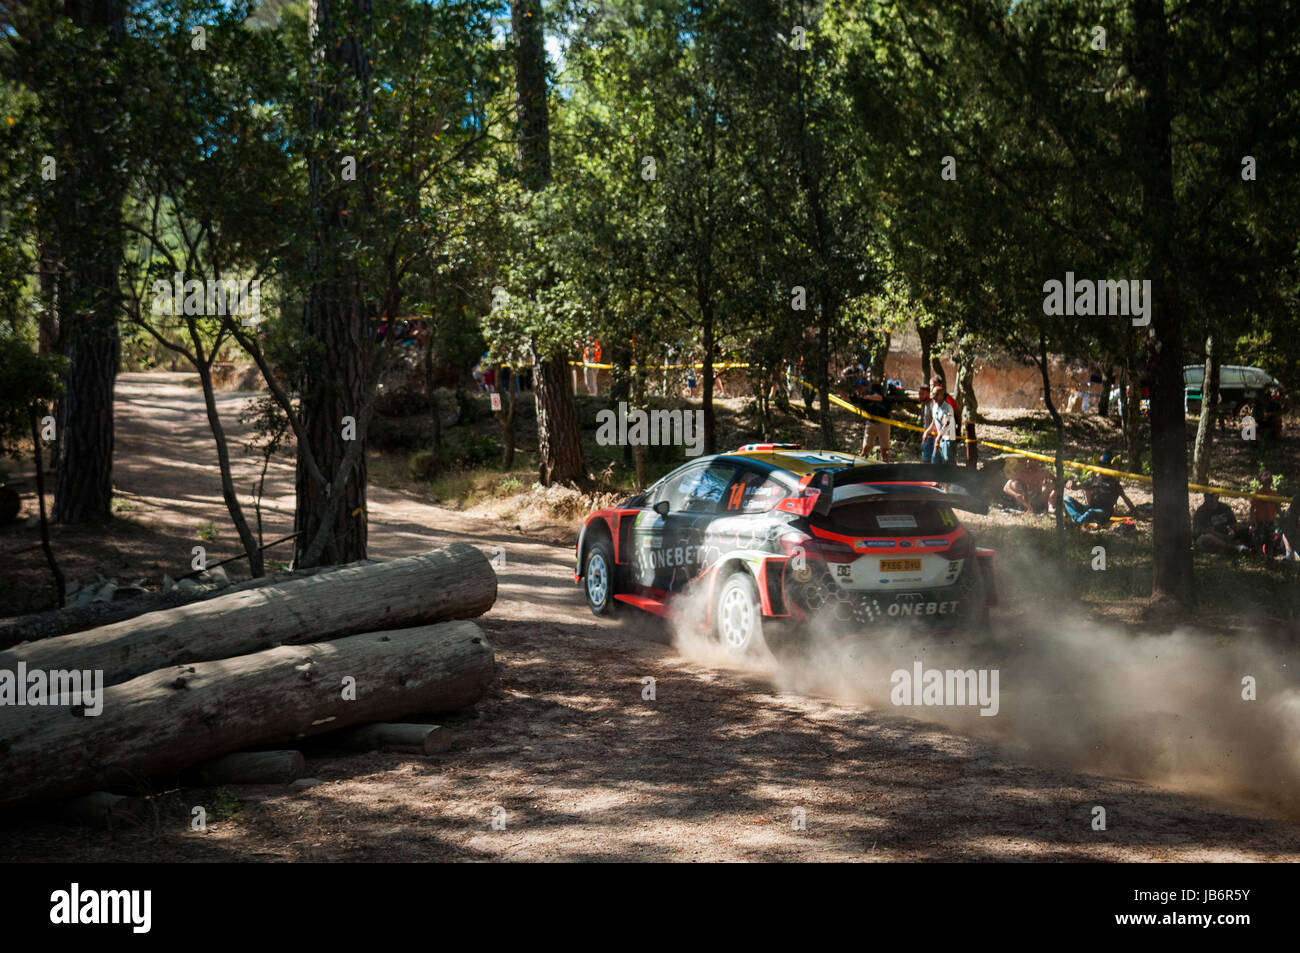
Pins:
x: 28, y: 384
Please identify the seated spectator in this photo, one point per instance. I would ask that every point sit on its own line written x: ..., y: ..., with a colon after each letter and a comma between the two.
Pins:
x: 1215, y: 529
x: 1101, y: 494
x: 1029, y: 483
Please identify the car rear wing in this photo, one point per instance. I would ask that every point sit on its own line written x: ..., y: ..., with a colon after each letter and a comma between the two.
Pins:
x: 962, y: 488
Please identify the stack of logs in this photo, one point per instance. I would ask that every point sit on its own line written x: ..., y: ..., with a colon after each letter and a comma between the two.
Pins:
x: 187, y: 689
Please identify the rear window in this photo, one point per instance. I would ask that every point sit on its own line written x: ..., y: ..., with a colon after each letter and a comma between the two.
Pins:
x: 886, y: 517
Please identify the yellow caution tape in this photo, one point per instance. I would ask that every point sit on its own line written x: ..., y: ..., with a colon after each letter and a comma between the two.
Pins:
x: 1076, y: 464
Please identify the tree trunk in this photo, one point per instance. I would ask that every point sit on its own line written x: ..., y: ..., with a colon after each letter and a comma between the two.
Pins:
x: 559, y: 444
x: 1060, y: 446
x: 638, y: 449
x: 1130, y: 408
x: 46, y: 548
x: 928, y: 335
x: 256, y: 567
x: 84, y: 219
x: 707, y: 332
x: 559, y: 450
x: 166, y: 721
x: 510, y: 402
x: 1171, y: 534
x: 880, y: 355
x: 533, y: 149
x: 1209, y: 409
x: 620, y: 389
x: 453, y: 583
x: 966, y: 387
x: 338, y: 378
x: 825, y: 321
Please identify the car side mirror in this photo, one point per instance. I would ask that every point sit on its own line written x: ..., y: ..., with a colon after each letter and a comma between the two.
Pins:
x: 661, y: 507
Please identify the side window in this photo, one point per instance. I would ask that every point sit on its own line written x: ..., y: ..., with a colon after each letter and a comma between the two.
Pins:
x: 672, y: 490
x: 703, y: 490
x: 753, y: 493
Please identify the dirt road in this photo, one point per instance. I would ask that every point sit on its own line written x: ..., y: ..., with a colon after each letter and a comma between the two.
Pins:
x: 717, y: 766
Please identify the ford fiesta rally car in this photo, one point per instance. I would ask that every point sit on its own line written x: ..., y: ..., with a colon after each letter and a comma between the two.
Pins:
x: 774, y: 532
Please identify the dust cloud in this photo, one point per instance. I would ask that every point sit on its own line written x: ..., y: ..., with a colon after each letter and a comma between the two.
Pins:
x: 1169, y: 709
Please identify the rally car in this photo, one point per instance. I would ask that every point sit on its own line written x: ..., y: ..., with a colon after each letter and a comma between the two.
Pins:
x: 774, y: 532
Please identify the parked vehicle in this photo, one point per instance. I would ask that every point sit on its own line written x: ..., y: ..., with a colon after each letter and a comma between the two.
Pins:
x: 1240, y: 387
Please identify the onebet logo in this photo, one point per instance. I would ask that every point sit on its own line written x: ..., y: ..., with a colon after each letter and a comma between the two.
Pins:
x: 103, y: 906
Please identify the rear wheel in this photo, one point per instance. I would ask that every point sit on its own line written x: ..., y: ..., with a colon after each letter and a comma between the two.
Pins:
x: 598, y: 578
x: 738, y: 615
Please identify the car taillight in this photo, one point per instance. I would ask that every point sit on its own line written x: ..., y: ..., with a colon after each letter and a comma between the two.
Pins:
x: 834, y: 552
x: 962, y: 548
x: 801, y: 505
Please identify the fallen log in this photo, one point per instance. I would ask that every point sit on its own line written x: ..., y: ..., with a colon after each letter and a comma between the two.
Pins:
x: 457, y: 582
x: 411, y: 739
x: 164, y: 722
x: 251, y: 767
x: 56, y: 622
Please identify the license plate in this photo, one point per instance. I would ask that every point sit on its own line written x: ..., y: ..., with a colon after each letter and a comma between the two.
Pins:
x: 900, y: 565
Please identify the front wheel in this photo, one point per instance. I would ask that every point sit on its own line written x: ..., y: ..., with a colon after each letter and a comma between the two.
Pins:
x: 598, y: 578
x: 738, y: 616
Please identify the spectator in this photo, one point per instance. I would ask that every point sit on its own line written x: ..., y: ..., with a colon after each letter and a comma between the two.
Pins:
x: 1029, y: 483
x: 1265, y: 535
x: 1100, y: 495
x: 591, y: 355
x: 876, y: 434
x: 1215, y: 529
x: 1290, y: 528
x: 927, y: 438
x: 944, y: 423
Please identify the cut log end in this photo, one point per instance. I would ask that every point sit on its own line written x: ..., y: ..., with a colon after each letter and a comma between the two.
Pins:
x: 407, y: 739
x: 252, y: 767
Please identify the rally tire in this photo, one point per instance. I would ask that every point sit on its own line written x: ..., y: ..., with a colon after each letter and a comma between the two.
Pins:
x: 738, y: 615
x: 598, y: 578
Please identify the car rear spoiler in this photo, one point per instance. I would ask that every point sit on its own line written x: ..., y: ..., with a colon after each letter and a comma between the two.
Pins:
x: 960, y: 487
